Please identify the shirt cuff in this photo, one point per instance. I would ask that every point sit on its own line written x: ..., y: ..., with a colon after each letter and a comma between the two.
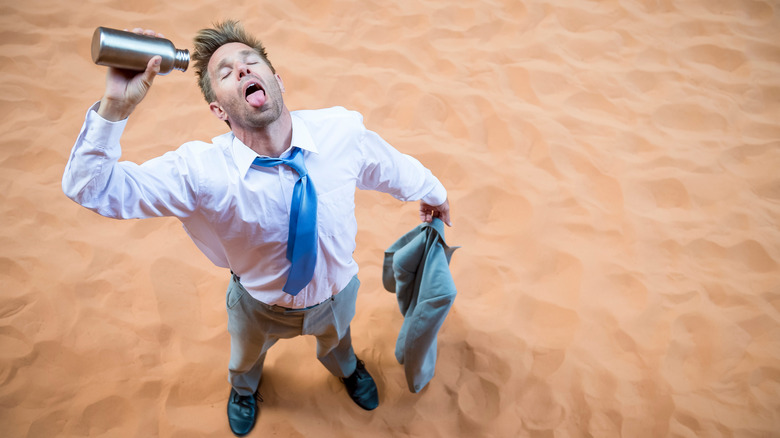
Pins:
x: 100, y: 131
x: 437, y: 195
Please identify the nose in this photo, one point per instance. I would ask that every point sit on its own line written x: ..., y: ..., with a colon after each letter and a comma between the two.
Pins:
x: 243, y: 70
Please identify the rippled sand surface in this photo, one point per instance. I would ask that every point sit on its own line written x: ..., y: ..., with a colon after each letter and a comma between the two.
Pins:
x: 613, y: 173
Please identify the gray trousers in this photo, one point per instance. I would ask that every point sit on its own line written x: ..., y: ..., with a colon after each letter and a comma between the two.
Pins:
x: 255, y: 326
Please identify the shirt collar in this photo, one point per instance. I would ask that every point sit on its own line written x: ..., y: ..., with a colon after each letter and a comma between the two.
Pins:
x: 244, y: 156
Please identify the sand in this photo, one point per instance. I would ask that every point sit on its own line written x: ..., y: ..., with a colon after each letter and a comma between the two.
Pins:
x: 613, y: 173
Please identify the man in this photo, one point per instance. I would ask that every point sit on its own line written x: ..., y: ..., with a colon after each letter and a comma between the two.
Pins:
x: 272, y: 200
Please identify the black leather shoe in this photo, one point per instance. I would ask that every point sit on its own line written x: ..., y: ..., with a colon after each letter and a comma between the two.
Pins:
x: 361, y: 387
x: 242, y: 412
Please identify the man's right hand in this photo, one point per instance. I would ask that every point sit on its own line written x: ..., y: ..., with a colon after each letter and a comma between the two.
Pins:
x: 126, y: 88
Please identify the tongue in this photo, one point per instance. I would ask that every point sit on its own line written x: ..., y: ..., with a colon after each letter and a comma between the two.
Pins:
x: 256, y: 99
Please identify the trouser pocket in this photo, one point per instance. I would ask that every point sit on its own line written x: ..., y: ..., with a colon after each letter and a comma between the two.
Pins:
x: 234, y: 292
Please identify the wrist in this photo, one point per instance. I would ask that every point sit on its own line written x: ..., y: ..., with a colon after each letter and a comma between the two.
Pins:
x: 114, y: 110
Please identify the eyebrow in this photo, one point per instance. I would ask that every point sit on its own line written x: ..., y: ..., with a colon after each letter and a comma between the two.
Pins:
x: 225, y: 61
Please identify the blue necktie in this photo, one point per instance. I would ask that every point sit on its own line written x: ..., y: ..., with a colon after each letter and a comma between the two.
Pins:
x: 302, y: 241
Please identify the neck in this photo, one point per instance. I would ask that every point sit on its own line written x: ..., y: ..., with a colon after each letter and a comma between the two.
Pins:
x: 270, y: 140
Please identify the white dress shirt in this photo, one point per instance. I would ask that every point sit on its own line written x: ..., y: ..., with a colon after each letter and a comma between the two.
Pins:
x: 238, y: 214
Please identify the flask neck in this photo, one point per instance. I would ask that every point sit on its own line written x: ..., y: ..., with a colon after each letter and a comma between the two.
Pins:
x: 181, y: 59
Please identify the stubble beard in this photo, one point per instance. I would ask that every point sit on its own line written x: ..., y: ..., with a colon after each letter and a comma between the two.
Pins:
x: 259, y: 119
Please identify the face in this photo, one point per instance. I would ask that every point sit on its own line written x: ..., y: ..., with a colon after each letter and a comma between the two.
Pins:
x: 248, y: 93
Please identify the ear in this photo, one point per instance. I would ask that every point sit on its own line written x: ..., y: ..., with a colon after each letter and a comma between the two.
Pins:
x: 280, y: 82
x: 217, y: 110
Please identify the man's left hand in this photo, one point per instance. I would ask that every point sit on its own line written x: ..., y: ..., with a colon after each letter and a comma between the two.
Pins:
x: 428, y: 212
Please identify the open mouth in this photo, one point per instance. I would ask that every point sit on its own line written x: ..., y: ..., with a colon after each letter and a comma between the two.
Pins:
x: 251, y: 89
x: 254, y: 94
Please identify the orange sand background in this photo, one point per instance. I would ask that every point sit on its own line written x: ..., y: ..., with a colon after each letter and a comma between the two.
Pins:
x: 613, y: 173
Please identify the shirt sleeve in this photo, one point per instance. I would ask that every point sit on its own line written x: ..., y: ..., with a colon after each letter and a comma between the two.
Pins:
x: 387, y: 170
x: 94, y: 177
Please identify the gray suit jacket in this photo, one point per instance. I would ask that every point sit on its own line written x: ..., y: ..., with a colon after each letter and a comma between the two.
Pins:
x: 416, y: 268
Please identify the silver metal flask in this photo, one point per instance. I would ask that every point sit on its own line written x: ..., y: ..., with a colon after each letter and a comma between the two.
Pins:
x: 127, y: 50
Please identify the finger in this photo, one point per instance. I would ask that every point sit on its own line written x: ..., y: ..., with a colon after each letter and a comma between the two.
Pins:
x: 152, y: 69
x: 444, y: 215
x: 154, y: 65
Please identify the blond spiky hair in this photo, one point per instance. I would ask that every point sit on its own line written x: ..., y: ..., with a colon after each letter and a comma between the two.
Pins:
x: 207, y: 41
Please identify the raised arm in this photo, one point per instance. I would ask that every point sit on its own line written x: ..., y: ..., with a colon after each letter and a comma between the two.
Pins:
x: 94, y: 177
